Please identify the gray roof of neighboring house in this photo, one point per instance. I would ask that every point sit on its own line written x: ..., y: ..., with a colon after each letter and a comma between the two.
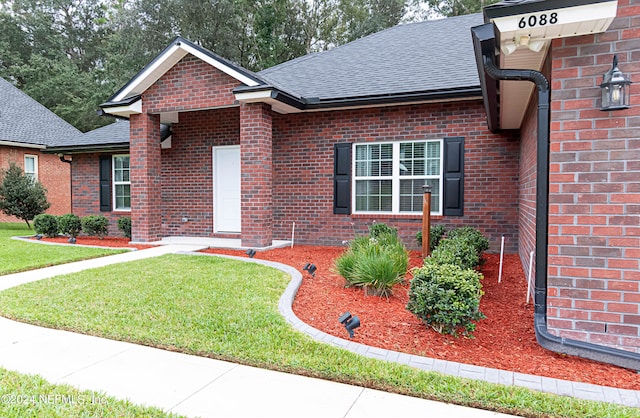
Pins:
x: 25, y: 121
x: 109, y: 137
x: 415, y: 57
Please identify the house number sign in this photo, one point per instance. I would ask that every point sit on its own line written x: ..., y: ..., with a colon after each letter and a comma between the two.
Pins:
x: 531, y: 21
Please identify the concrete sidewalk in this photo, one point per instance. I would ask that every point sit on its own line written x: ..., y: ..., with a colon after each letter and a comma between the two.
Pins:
x: 185, y: 384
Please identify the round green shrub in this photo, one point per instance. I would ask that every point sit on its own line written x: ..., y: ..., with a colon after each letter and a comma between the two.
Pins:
x: 70, y: 224
x: 436, y: 232
x: 456, y: 251
x: 46, y: 225
x: 124, y: 225
x: 377, y: 229
x: 446, y: 297
x: 95, y: 225
x: 472, y: 236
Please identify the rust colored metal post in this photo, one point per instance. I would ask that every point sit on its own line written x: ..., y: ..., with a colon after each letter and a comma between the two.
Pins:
x: 426, y: 221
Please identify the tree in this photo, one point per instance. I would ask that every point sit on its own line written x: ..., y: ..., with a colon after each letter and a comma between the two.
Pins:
x: 22, y: 196
x: 449, y: 8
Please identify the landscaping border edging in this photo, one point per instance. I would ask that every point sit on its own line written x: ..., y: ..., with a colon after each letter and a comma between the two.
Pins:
x: 560, y: 387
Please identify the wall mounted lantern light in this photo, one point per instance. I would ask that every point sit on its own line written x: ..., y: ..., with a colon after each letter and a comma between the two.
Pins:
x: 615, y: 89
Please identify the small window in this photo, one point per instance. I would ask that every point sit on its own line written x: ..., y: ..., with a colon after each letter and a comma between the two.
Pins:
x: 121, y: 183
x: 31, y: 166
x: 388, y: 177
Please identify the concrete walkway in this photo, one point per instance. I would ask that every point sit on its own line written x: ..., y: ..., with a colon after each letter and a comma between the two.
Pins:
x: 196, y: 386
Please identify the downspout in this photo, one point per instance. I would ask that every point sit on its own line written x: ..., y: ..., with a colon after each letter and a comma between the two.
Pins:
x: 551, y: 342
x: 64, y: 160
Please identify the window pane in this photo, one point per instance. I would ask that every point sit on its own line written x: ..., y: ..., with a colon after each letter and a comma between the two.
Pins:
x: 374, y: 160
x: 123, y: 196
x: 29, y: 165
x: 374, y: 195
x: 412, y: 194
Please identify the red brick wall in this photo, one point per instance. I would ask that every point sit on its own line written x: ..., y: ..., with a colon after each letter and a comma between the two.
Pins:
x: 146, y: 178
x: 187, y: 178
x: 595, y: 193
x: 256, y: 171
x: 303, y: 170
x: 52, y: 173
x: 190, y: 84
x: 86, y: 190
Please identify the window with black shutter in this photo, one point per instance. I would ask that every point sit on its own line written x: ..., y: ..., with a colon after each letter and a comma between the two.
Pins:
x: 342, y: 179
x: 105, y: 183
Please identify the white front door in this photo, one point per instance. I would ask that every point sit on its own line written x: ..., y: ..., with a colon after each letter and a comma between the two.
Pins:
x: 226, y: 189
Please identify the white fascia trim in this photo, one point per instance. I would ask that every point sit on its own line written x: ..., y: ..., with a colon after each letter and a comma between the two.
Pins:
x: 171, y: 57
x: 220, y: 66
x: 149, y: 72
x: 22, y: 145
x: 134, y: 108
x: 254, y: 96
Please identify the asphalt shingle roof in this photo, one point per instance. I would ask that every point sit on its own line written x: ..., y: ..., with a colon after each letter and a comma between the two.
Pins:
x: 416, y: 57
x: 24, y: 120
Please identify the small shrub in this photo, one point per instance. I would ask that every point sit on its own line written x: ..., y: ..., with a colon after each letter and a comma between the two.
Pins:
x: 378, y: 229
x: 436, y: 232
x: 124, y: 225
x: 375, y: 264
x: 472, y: 236
x: 46, y: 225
x: 95, y: 225
x: 70, y: 224
x: 456, y: 251
x: 446, y: 297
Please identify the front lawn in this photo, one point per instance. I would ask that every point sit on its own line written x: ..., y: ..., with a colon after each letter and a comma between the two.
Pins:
x: 227, y: 309
x: 16, y: 255
x: 31, y: 396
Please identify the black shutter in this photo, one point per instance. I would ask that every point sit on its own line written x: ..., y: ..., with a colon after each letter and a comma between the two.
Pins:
x: 105, y: 183
x: 453, y: 193
x: 342, y: 179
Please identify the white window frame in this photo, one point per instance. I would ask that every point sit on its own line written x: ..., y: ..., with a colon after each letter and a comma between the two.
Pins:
x: 395, y: 178
x: 35, y: 166
x: 115, y: 183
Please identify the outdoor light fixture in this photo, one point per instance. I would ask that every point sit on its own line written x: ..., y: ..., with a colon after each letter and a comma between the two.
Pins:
x: 615, y: 89
x: 39, y: 236
x: 251, y: 252
x: 311, y: 268
x: 350, y: 322
x: 72, y: 240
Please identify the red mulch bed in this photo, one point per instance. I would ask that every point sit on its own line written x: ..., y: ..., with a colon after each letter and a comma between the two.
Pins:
x: 104, y: 242
x: 504, y: 340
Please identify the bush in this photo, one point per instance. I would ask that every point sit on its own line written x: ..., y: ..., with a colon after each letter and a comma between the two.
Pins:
x: 20, y: 195
x: 472, y: 236
x: 446, y: 297
x: 46, y: 225
x: 124, y: 225
x: 375, y: 264
x: 70, y: 224
x: 378, y: 229
x: 456, y: 251
x: 436, y: 232
x: 95, y: 225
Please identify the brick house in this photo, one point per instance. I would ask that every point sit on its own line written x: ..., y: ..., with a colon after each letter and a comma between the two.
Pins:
x: 26, y: 129
x: 337, y: 140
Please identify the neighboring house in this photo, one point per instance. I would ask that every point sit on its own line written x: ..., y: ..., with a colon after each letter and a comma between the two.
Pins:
x: 335, y: 141
x: 26, y: 129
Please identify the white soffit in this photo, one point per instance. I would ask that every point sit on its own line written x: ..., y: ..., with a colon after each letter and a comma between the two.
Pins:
x: 264, y: 96
x: 134, y: 108
x: 519, y: 32
x: 556, y: 23
x: 515, y: 95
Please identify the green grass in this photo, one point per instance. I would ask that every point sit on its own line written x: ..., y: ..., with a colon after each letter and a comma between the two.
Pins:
x: 24, y: 396
x: 16, y: 255
x: 227, y: 309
